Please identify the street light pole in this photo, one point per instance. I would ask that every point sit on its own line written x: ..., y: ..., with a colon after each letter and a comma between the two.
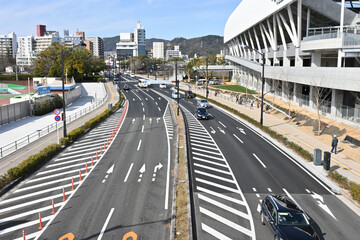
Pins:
x: 262, y: 89
x: 63, y: 92
x: 177, y: 86
x: 207, y: 79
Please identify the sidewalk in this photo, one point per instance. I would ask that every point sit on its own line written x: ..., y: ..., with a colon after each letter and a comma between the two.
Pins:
x: 346, y: 166
x: 17, y: 157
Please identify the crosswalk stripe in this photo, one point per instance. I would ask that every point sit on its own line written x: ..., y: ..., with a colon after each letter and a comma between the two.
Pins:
x: 226, y: 221
x: 223, y: 206
x: 213, y: 232
x: 205, y: 151
x: 219, y: 195
x: 217, y: 185
x: 214, y: 176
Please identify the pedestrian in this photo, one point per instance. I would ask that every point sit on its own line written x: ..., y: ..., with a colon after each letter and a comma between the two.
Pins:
x: 251, y: 103
x: 237, y: 98
x: 334, y: 144
x: 215, y: 93
x: 267, y: 108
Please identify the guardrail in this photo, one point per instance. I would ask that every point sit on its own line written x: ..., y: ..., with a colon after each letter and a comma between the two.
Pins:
x: 22, y: 142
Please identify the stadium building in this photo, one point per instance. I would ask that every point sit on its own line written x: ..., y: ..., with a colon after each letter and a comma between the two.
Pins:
x: 311, y: 51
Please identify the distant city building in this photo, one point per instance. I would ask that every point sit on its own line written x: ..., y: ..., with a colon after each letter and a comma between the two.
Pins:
x: 132, y: 44
x: 81, y: 34
x: 8, y: 45
x: 98, y: 46
x: 158, y: 50
x: 89, y: 46
x: 25, y: 54
x: 176, y: 53
x: 40, y: 30
x: 66, y: 32
x: 150, y: 53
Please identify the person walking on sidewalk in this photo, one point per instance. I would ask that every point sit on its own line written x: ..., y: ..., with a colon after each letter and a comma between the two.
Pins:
x: 334, y: 144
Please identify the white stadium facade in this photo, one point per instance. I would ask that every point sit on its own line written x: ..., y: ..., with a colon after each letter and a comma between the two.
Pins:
x: 311, y: 50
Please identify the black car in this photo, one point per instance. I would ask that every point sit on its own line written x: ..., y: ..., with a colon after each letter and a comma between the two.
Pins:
x: 201, y: 113
x: 126, y: 87
x: 286, y: 219
x: 189, y: 94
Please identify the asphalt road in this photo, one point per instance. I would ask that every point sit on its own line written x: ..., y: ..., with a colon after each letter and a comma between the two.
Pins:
x: 127, y: 192
x: 234, y: 168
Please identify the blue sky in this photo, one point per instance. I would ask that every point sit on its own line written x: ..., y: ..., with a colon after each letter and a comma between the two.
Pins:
x: 164, y: 19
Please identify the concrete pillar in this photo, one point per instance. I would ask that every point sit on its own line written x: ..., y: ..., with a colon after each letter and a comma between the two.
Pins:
x: 339, y: 59
x: 267, y: 61
x: 298, y: 58
x: 311, y: 97
x: 286, y: 60
x: 316, y: 59
x: 336, y: 98
x: 297, y: 90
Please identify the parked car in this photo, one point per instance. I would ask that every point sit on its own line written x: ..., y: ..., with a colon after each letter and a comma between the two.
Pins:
x: 126, y: 87
x: 201, y: 113
x: 203, y: 103
x: 189, y: 94
x: 132, y: 75
x: 286, y: 219
x: 162, y: 85
x: 175, y: 95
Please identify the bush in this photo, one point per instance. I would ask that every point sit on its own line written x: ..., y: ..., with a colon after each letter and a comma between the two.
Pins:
x: 355, y: 191
x: 12, y: 77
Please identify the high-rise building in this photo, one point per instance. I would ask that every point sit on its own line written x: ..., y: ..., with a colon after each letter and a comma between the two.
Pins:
x: 89, y: 46
x: 81, y: 34
x: 40, y: 30
x: 132, y: 44
x: 158, y: 50
x: 8, y: 45
x: 25, y: 54
x: 98, y: 46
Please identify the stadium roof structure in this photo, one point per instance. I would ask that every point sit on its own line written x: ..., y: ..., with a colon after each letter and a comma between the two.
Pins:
x: 351, y: 4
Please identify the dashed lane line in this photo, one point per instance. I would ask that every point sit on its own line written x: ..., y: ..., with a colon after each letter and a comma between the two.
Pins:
x: 225, y: 221
x: 138, y: 148
x: 238, y: 138
x: 222, y: 124
x: 259, y: 160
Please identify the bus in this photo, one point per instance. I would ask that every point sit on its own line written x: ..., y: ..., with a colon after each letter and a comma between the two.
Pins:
x: 143, y: 83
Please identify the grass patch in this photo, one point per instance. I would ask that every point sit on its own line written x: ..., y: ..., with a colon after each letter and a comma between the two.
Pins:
x: 182, y: 221
x: 236, y: 88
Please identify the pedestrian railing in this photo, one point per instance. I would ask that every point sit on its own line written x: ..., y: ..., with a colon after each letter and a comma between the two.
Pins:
x: 32, y: 137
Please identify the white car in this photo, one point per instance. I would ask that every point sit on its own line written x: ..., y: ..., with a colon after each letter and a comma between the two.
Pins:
x: 175, y: 95
x: 162, y: 85
x: 132, y: 75
x: 203, y: 103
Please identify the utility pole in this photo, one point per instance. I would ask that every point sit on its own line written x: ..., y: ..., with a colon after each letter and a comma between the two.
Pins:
x: 207, y: 79
x: 177, y: 86
x: 63, y: 91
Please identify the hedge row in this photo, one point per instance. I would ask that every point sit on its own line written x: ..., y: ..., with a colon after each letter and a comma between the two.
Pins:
x: 12, y: 77
x: 34, y: 161
x: 343, y: 182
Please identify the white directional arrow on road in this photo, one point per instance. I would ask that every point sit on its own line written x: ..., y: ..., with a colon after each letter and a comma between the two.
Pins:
x: 212, y: 130
x: 133, y: 120
x: 142, y: 169
x: 317, y: 197
x: 320, y: 201
x: 158, y: 167
x: 157, y: 120
x: 241, y: 130
x: 111, y: 170
x: 221, y: 130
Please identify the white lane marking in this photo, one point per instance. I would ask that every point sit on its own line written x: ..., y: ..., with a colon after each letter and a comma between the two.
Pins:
x: 210, y: 162
x: 159, y: 109
x: 320, y: 201
x: 128, y: 173
x: 134, y: 99
x: 156, y: 103
x: 212, y: 130
x: 206, y: 143
x: 222, y: 124
x: 307, y: 190
x: 167, y: 190
x: 150, y: 120
x: 29, y: 236
x: 258, y: 195
x: 217, y: 185
x: 219, y: 195
x: 214, y: 176
x: 197, y: 129
x: 133, y: 120
x: 205, y: 151
x: 137, y: 96
x: 87, y: 146
x: 211, y: 168
x: 142, y: 128
x: 45, y: 184
x: 143, y: 117
x: 221, y: 130
x: 207, y: 156
x: 142, y: 104
x: 138, y: 148
x: 86, y: 143
x: 63, y: 168
x: 54, y: 175
x: 238, y: 138
x: 200, y: 145
x: 203, y: 140
x: 213, y: 232
x: 111, y: 169
x: 34, y: 211
x: 199, y: 134
x: 147, y: 94
x: 146, y: 99
x: 259, y: 160
x: 269, y: 189
x: 258, y: 208
x: 223, y: 206
x: 226, y: 222
x: 143, y: 109
x: 254, y: 189
x: 241, y: 130
x: 105, y: 224
x: 103, y: 181
x: 25, y: 225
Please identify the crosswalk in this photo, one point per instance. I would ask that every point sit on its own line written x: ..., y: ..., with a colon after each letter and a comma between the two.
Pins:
x: 224, y: 212
x: 50, y: 188
x: 168, y: 122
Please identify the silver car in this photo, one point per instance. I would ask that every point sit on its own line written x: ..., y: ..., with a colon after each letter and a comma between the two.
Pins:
x: 203, y: 103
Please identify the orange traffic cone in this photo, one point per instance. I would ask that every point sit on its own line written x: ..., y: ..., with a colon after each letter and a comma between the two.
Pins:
x: 92, y: 163
x: 97, y: 157
x: 104, y: 145
x: 72, y: 184
x: 64, y: 199
x: 86, y: 171
x: 40, y: 226
x: 100, y: 150
x: 53, y: 207
x: 80, y: 179
x: 24, y: 234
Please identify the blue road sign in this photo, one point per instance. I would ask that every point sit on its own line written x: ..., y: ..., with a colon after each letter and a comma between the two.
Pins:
x: 43, y: 90
x: 57, y: 118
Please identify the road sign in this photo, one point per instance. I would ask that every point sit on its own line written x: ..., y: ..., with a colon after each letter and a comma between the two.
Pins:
x: 43, y: 90
x: 57, y: 111
x: 57, y: 118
